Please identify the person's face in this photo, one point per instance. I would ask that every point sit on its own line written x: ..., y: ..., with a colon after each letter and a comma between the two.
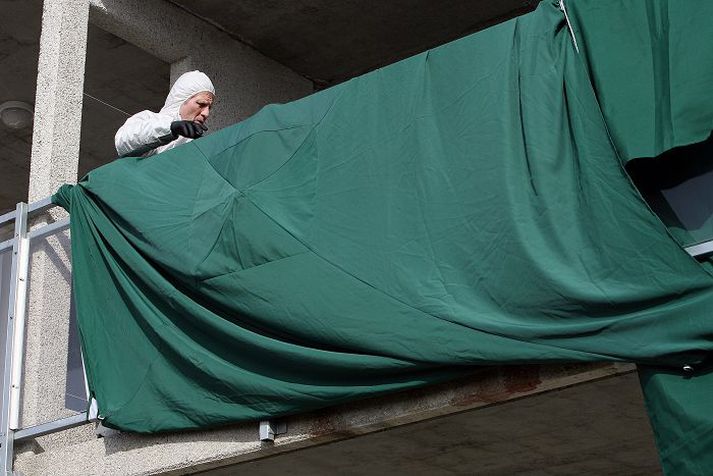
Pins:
x: 197, y: 107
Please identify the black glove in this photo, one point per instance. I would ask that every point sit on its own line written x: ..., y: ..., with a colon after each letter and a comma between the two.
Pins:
x: 190, y: 129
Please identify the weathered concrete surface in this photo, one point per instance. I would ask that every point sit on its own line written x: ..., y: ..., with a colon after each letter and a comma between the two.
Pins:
x: 54, y: 161
x: 594, y: 428
x: 185, y: 453
x: 60, y: 82
x: 330, y: 41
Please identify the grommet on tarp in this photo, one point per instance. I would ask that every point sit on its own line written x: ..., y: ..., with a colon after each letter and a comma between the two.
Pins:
x: 687, y: 369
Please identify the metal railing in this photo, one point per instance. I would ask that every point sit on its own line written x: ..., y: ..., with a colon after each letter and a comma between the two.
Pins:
x: 10, y: 430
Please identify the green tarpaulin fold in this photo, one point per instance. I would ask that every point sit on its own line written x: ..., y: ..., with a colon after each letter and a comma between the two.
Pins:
x: 650, y: 64
x: 463, y: 207
x: 651, y: 67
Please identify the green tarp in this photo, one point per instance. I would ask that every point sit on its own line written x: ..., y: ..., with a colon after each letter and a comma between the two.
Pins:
x: 651, y: 67
x: 463, y: 207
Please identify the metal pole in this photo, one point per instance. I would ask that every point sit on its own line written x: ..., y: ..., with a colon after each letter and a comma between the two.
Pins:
x: 49, y: 229
x: 53, y: 426
x: 18, y: 287
x: 18, y: 343
x: 93, y: 410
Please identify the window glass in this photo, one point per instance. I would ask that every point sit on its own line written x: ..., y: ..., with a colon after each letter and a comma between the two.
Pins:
x: 678, y: 186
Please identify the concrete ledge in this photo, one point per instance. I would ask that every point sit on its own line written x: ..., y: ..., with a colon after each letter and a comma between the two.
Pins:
x: 78, y: 451
x: 488, y: 386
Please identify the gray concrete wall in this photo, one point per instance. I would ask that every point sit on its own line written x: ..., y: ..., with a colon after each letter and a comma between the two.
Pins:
x: 244, y: 79
x: 54, y: 160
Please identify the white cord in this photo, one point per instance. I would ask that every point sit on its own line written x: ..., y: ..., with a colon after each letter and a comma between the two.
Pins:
x: 107, y: 104
x: 569, y: 25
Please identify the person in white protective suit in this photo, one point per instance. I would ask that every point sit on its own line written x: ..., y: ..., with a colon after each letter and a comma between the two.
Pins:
x: 180, y: 120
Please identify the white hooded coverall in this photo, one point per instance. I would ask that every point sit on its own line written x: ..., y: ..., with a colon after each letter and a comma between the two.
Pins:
x: 146, y: 127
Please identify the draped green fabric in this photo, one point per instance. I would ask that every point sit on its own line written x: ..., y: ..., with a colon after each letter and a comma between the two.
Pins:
x: 651, y: 67
x: 463, y: 207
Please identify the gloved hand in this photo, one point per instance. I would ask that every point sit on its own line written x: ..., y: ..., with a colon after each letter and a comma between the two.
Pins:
x: 190, y: 129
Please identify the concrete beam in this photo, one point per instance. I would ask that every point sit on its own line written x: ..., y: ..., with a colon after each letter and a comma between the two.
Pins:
x: 188, y: 452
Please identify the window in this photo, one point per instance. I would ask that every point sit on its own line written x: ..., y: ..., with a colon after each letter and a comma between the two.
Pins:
x: 678, y: 186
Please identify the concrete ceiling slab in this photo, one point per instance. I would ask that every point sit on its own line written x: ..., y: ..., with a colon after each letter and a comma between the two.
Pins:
x: 597, y: 427
x: 330, y: 41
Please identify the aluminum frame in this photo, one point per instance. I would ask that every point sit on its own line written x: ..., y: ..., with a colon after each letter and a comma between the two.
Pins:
x: 12, y: 371
x: 53, y: 426
x: 10, y: 430
x: 701, y: 249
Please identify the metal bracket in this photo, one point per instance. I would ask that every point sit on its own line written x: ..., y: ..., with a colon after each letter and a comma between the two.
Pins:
x: 52, y: 426
x: 271, y: 428
x: 103, y: 432
x: 701, y: 249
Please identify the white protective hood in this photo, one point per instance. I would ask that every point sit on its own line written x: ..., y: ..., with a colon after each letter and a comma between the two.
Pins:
x: 147, y: 127
x: 186, y: 86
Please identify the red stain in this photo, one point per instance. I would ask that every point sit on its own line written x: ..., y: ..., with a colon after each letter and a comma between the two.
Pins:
x: 501, y: 384
x: 521, y: 379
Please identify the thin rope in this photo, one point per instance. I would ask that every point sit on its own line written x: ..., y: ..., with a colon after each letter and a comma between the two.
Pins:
x: 569, y: 25
x: 107, y: 104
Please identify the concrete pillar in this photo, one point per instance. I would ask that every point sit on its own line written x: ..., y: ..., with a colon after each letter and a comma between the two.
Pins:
x: 54, y: 161
x: 58, y: 103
